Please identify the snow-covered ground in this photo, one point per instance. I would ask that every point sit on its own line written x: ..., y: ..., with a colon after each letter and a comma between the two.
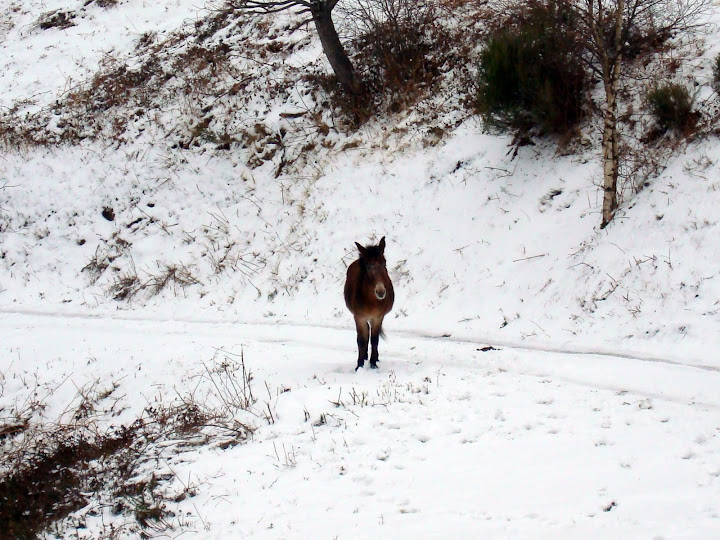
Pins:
x: 444, y: 441
x: 595, y: 414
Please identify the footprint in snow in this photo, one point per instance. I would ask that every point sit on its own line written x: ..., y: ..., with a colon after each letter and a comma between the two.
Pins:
x: 603, y: 442
x: 363, y: 479
x: 409, y: 511
x: 645, y: 404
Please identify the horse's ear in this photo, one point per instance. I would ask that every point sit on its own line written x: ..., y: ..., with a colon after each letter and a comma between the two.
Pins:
x: 381, y: 245
x: 360, y: 249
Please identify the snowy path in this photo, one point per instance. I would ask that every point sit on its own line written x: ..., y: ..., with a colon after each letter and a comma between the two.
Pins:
x: 444, y: 441
x: 602, y: 367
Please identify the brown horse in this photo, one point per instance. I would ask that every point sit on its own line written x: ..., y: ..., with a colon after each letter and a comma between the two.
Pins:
x: 369, y: 296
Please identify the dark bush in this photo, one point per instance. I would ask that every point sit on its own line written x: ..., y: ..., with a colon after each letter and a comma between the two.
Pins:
x: 671, y: 105
x: 531, y: 76
x: 400, y: 49
x: 394, y: 41
x: 638, y: 41
x: 390, y: 62
x: 716, y: 74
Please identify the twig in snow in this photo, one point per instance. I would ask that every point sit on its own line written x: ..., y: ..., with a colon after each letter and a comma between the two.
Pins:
x: 532, y: 257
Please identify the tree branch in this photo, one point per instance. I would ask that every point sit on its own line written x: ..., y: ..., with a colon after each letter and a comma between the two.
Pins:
x: 271, y: 6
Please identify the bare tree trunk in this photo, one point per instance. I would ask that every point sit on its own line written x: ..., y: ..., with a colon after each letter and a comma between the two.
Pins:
x: 605, y: 28
x: 611, y: 138
x: 336, y: 55
x: 611, y: 158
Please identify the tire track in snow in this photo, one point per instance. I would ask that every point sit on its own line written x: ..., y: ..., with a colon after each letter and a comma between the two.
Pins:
x: 568, y: 349
x: 573, y: 350
x: 408, y: 353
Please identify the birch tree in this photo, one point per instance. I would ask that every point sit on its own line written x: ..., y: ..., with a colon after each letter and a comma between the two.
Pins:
x: 613, y: 31
x: 321, y: 12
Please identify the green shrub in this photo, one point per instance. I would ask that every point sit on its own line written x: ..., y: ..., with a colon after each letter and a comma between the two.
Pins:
x: 671, y: 105
x: 531, y: 73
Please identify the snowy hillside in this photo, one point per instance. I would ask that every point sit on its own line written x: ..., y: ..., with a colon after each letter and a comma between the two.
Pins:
x: 542, y: 377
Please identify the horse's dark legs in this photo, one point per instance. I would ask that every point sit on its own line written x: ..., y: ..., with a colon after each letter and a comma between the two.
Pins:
x: 374, y: 340
x: 363, y: 334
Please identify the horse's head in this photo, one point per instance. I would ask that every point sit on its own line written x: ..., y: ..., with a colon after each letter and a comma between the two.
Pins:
x: 372, y: 259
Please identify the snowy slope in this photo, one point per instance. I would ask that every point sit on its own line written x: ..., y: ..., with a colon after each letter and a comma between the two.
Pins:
x: 597, y: 415
x: 39, y: 65
x: 480, y: 245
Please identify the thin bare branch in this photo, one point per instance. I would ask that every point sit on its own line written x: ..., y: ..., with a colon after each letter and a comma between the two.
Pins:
x: 271, y: 6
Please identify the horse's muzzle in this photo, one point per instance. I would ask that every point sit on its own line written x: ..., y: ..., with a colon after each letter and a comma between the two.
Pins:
x: 380, y: 291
